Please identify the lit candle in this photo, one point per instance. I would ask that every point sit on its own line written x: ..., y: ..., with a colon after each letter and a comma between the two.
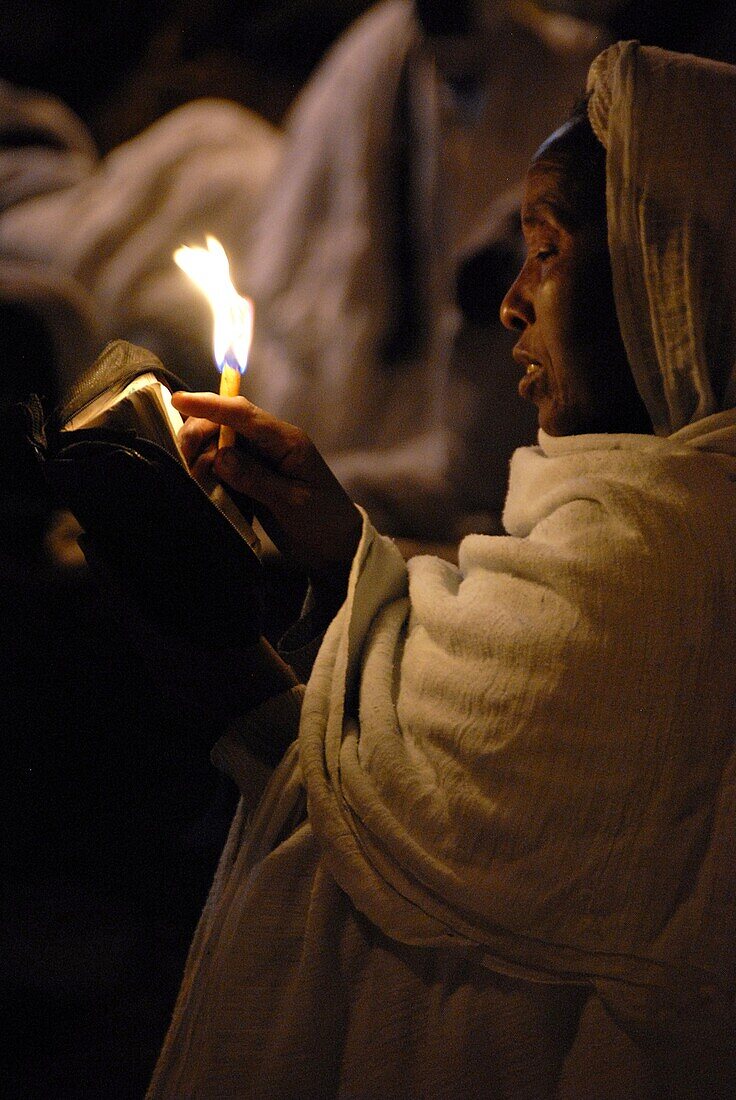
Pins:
x: 209, y: 269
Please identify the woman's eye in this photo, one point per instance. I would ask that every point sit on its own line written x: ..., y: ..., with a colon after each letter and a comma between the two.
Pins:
x: 543, y: 254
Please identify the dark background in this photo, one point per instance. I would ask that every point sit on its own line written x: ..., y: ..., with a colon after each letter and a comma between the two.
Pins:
x: 113, y: 817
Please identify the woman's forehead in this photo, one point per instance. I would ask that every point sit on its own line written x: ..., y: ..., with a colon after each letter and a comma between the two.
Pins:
x: 570, y: 167
x: 548, y: 195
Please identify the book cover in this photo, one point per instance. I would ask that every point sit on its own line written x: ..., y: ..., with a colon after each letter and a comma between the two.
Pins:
x: 185, y: 553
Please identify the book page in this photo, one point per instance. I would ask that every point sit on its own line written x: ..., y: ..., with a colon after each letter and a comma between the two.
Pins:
x: 143, y: 406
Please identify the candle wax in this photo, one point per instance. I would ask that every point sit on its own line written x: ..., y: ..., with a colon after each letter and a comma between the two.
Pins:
x: 229, y: 387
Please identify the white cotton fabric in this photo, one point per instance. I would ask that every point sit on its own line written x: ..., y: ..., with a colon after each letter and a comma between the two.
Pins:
x: 671, y: 205
x: 538, y: 750
x: 522, y: 773
x: 322, y: 269
x: 56, y: 151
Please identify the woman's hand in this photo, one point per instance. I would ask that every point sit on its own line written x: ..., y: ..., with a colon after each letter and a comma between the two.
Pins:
x: 298, y: 500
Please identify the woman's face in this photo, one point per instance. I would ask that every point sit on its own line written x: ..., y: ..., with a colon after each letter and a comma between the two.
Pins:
x: 562, y: 306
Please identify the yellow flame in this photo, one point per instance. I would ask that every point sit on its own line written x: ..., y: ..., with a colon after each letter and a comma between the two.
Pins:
x: 209, y: 269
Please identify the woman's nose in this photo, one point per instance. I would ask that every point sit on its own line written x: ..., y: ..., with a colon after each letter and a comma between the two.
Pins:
x: 516, y: 308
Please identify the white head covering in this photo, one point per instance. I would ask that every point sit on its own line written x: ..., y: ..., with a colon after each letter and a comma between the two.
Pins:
x: 667, y: 122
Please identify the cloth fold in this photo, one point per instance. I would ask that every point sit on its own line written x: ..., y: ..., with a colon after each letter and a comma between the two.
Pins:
x: 518, y: 751
x: 518, y: 747
x: 44, y: 147
x: 671, y: 207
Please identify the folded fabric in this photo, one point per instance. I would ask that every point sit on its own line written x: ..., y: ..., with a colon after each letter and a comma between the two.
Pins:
x: 506, y: 762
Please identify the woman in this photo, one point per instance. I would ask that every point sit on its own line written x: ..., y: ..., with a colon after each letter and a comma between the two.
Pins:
x: 514, y: 783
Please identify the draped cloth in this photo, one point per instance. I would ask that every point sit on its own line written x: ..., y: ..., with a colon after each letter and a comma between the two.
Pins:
x: 667, y: 122
x: 44, y: 149
x: 352, y: 262
x: 535, y: 729
x: 515, y: 784
x: 519, y: 772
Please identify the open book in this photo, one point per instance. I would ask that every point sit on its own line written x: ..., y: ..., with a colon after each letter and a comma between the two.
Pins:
x: 143, y: 406
x: 184, y: 552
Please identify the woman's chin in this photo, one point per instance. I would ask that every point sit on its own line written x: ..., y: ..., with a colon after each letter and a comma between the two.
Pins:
x: 557, y: 422
x: 550, y: 420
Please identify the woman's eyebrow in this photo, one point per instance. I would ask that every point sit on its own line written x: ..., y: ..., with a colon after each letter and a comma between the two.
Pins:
x: 540, y: 212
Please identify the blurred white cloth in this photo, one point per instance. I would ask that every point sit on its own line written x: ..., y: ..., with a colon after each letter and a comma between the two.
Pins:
x: 383, y: 181
x: 44, y: 149
x: 43, y: 145
x: 672, y: 224
x: 348, y: 243
x: 114, y: 226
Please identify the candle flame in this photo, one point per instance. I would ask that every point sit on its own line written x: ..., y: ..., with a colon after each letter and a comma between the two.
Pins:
x: 209, y: 269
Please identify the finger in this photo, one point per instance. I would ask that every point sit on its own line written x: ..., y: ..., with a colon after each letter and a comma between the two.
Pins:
x: 245, y: 474
x: 210, y: 406
x: 275, y: 438
x: 201, y: 467
x: 195, y: 436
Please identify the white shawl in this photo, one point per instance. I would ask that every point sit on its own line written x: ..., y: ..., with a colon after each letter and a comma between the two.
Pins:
x: 667, y: 121
x: 526, y: 756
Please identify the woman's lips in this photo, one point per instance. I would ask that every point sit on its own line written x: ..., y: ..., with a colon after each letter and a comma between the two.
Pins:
x: 530, y: 379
